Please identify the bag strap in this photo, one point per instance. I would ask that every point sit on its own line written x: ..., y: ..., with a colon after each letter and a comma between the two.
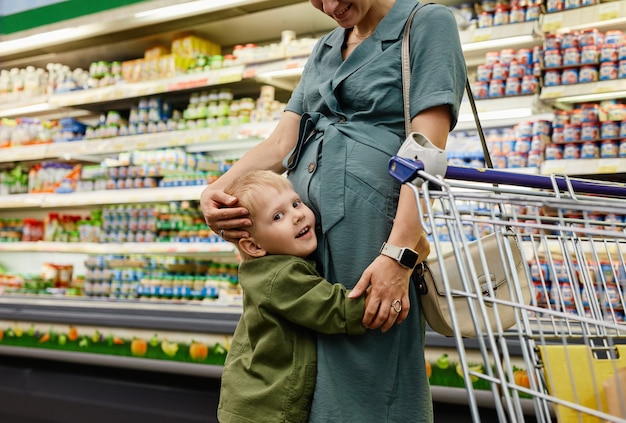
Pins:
x: 479, y: 127
x: 406, y: 70
x: 406, y: 84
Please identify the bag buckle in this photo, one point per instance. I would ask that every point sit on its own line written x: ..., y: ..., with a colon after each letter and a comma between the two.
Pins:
x: 418, y: 279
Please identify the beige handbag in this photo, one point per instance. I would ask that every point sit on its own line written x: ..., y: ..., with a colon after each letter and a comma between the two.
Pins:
x: 500, y: 277
x: 500, y: 267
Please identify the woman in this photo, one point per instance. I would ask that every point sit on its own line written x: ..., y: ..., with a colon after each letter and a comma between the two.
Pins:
x: 341, y: 125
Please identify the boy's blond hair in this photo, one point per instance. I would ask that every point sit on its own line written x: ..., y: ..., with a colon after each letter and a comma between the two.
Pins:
x: 248, y: 187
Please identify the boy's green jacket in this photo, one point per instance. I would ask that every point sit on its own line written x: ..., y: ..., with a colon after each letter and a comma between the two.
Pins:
x: 270, y: 370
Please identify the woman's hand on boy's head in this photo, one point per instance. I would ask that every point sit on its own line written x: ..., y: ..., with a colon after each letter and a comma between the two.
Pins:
x: 222, y: 216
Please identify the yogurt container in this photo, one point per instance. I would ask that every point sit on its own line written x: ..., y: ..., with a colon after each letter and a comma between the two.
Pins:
x: 610, y: 129
x: 571, y: 132
x: 554, y: 152
x: 609, y: 149
x: 589, y: 55
x: 571, y: 151
x: 590, y: 150
x: 569, y: 76
x: 571, y: 56
x: 589, y: 131
x: 529, y: 84
x: 588, y: 74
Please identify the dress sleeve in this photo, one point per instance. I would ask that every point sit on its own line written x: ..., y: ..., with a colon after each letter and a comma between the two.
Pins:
x: 438, y: 69
x: 303, y: 297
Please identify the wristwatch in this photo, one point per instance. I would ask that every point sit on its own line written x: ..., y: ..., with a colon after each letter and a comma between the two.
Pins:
x: 405, y: 256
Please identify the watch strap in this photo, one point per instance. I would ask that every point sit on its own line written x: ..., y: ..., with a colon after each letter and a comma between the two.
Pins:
x: 390, y: 250
x: 406, y: 257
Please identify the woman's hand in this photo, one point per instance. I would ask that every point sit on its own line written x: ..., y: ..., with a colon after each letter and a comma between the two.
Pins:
x: 222, y: 215
x: 386, y: 282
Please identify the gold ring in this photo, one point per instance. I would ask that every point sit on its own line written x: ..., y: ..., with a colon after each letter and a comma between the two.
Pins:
x: 222, y: 233
x: 397, y: 306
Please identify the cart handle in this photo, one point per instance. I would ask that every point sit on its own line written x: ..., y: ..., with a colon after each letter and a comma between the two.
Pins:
x: 406, y: 170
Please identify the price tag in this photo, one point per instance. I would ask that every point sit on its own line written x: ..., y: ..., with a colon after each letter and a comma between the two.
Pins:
x: 553, y: 168
x: 606, y: 87
x: 250, y: 71
x: 191, y: 83
x: 547, y: 92
x: 608, y: 166
x: 552, y: 22
x: 227, y: 78
x: 482, y: 34
x: 608, y: 11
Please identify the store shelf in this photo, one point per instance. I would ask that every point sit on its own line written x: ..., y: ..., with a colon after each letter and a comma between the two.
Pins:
x: 141, y: 89
x: 233, y: 137
x: 503, y: 111
x: 92, y: 198
x: 565, y: 96
x: 581, y: 167
x: 603, y: 16
x: 180, y: 322
x: 169, y: 248
x: 284, y: 73
x: 131, y: 314
x: 477, y: 42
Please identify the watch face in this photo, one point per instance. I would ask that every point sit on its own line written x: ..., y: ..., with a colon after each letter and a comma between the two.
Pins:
x: 408, y: 258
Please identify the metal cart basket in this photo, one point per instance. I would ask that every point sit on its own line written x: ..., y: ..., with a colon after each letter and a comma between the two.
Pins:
x: 564, y: 357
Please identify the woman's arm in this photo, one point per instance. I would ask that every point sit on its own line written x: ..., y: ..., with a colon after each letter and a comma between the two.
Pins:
x: 217, y: 206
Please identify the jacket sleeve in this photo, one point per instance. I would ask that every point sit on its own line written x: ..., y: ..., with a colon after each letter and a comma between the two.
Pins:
x: 303, y: 297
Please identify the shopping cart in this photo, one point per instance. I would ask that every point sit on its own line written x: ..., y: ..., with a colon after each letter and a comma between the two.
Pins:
x: 564, y: 358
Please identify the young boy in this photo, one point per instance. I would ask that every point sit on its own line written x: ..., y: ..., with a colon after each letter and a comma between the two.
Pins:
x: 270, y: 370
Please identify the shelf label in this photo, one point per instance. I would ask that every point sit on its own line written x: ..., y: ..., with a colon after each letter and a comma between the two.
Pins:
x: 227, y: 77
x: 547, y: 92
x: 608, y: 11
x: 552, y: 22
x: 250, y: 71
x: 553, y: 168
x: 482, y: 34
x: 607, y: 166
x: 189, y: 83
x: 606, y: 87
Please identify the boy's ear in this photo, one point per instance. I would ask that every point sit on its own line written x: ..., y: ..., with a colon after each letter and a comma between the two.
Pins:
x: 251, y: 248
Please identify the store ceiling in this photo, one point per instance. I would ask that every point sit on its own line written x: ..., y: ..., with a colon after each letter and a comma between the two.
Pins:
x: 116, y: 35
x: 119, y: 37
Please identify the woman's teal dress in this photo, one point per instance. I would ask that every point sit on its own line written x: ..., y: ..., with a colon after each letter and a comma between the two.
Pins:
x: 352, y: 122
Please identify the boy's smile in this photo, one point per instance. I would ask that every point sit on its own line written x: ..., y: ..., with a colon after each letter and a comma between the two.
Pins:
x: 283, y: 224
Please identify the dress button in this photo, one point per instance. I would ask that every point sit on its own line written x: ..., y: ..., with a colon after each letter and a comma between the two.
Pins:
x: 342, y: 119
x: 312, y: 167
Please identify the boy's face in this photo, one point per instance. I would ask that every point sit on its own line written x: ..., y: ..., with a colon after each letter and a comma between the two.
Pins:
x: 283, y: 224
